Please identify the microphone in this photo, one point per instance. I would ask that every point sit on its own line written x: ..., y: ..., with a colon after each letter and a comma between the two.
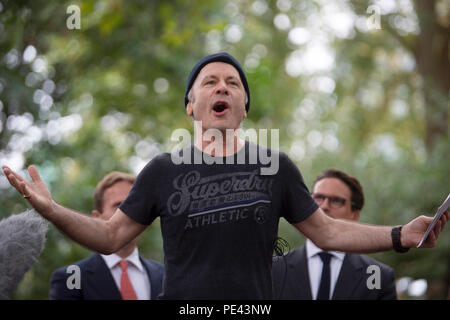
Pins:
x: 280, y: 246
x: 22, y: 239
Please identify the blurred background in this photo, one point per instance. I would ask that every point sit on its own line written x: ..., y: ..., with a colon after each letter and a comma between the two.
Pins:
x: 362, y: 86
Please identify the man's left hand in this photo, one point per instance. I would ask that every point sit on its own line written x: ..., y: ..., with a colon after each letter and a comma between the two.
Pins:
x: 413, y: 232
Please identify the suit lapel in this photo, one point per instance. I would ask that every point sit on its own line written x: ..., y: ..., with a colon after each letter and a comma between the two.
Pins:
x: 298, y: 268
x: 350, y: 277
x: 100, y: 280
x: 151, y: 277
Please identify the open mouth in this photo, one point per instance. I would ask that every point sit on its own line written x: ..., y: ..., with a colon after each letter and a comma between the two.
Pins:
x: 220, y: 107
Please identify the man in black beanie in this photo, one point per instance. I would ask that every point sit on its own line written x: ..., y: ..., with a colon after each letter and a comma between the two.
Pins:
x: 219, y: 217
x: 218, y: 57
x: 218, y: 97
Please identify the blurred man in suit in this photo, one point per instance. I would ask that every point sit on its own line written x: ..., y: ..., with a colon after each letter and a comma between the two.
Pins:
x: 309, y: 272
x: 121, y: 275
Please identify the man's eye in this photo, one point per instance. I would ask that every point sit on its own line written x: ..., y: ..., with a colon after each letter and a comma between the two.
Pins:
x: 319, y: 197
x: 337, y: 200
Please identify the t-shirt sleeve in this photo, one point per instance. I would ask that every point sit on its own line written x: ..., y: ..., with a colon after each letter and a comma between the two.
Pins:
x: 297, y: 203
x: 141, y: 205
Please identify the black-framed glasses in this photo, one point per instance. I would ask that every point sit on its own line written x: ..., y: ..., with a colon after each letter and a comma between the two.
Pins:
x: 335, y: 202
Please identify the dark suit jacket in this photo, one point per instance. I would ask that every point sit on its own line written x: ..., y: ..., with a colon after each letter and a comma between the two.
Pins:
x: 351, y: 283
x: 97, y: 282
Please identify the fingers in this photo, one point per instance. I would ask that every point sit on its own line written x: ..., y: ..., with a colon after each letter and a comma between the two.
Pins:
x: 34, y: 174
x: 431, y: 240
x: 24, y: 190
x: 434, y: 234
x: 437, y: 229
x: 444, y: 220
x: 441, y: 224
x: 13, y: 178
x: 8, y: 172
x: 19, y: 183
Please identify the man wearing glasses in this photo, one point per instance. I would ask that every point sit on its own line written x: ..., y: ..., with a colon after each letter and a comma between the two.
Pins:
x: 310, y: 273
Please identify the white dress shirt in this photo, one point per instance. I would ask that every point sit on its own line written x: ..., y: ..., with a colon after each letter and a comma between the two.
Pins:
x: 136, y: 272
x: 315, y: 266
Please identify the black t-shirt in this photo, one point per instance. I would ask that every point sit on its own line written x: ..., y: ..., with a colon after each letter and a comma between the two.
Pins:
x: 219, y: 221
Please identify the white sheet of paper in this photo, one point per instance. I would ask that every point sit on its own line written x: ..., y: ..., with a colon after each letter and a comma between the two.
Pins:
x: 445, y: 205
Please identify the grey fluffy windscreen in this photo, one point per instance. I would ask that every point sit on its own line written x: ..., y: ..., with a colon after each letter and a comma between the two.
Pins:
x: 22, y: 239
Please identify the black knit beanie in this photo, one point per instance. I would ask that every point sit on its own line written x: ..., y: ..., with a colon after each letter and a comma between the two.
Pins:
x: 217, y: 57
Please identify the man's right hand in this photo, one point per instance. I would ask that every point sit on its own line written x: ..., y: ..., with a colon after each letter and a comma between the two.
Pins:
x: 35, y: 191
x: 104, y: 236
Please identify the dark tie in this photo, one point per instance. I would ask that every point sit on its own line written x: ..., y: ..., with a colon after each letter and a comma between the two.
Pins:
x: 324, y: 288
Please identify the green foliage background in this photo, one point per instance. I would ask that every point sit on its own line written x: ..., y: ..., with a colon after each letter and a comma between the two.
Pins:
x: 119, y: 82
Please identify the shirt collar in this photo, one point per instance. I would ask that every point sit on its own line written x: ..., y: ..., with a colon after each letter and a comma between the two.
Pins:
x: 113, y: 259
x: 312, y: 250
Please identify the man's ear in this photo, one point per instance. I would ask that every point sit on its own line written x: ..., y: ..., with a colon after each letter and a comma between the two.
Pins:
x: 96, y: 213
x: 245, y: 114
x: 189, y: 109
x: 356, y: 214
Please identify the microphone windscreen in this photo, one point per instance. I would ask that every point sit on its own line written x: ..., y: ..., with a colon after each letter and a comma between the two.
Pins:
x: 22, y: 239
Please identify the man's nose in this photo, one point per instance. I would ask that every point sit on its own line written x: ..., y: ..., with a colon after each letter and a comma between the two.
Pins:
x: 221, y: 88
x: 325, y: 206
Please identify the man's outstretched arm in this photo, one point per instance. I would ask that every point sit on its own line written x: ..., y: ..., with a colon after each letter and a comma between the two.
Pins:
x: 349, y: 236
x: 95, y: 234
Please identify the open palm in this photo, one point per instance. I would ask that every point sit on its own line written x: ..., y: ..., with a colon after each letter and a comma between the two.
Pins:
x: 35, y: 191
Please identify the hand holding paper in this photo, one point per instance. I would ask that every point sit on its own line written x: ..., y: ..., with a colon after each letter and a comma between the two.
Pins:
x: 442, y: 209
x: 424, y: 231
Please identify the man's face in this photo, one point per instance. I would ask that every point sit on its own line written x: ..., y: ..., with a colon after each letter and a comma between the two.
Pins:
x: 219, y: 97
x: 113, y: 197
x: 333, y: 187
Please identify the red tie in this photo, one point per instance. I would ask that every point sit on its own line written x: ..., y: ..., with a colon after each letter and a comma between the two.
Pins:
x: 126, y: 288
